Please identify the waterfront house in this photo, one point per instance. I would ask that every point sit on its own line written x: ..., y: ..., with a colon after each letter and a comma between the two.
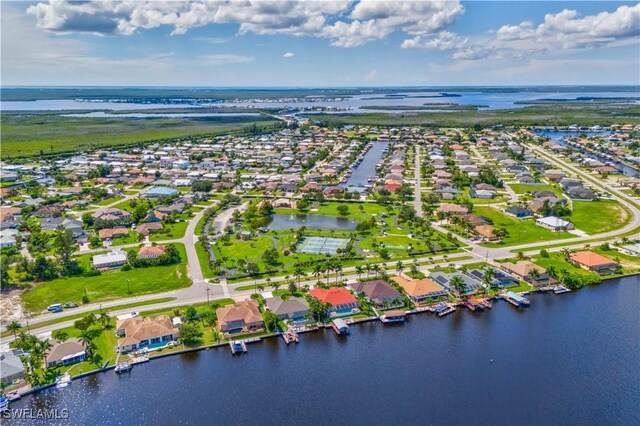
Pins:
x: 419, y: 290
x: 241, y: 317
x: 381, y: 293
x: 444, y: 279
x: 523, y: 270
x: 594, y: 262
x: 554, y: 223
x: 340, y: 300
x: 137, y: 332
x: 112, y: 259
x: 294, y: 308
x: 11, y: 367
x: 65, y: 353
x: 500, y: 279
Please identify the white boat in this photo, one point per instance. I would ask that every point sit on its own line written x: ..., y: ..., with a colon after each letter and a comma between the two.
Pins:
x: 122, y: 367
x: 63, y: 381
x: 560, y: 289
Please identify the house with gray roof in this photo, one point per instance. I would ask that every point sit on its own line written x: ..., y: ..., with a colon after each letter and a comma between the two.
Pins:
x: 11, y: 367
x: 294, y: 308
x: 380, y: 292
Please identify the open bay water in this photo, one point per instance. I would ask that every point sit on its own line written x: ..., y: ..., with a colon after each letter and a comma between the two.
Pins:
x: 567, y: 359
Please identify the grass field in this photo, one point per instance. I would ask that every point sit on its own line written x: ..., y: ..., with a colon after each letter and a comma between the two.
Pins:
x: 171, y: 231
x: 107, y: 201
x: 41, y: 134
x: 520, y: 231
x: 521, y: 188
x: 594, y: 217
x: 207, y: 272
x: 109, y: 285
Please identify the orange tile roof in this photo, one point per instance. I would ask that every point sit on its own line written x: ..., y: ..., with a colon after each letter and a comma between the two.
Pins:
x: 333, y: 296
x: 415, y: 287
x: 589, y: 258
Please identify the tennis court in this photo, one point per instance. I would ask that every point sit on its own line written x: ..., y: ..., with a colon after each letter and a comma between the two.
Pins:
x: 322, y: 245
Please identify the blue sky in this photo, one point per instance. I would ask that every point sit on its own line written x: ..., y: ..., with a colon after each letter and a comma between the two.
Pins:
x: 319, y: 43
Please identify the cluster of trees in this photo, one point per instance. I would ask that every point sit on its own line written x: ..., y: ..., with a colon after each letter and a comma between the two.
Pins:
x: 46, y: 269
x: 202, y: 186
x: 555, y: 210
x: 171, y: 256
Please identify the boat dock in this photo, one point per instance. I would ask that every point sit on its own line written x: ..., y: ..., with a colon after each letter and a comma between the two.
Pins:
x: 238, y: 347
x: 559, y: 289
x: 123, y: 367
x: 290, y: 336
x: 394, y: 315
x: 340, y: 326
x: 516, y: 299
x: 444, y: 308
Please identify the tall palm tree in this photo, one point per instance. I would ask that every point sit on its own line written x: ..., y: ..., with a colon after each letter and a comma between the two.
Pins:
x: 487, y: 279
x: 298, y: 272
x: 104, y: 318
x: 318, y: 269
x: 566, y: 253
x: 359, y: 271
x: 14, y: 327
x: 535, y: 275
x: 399, y: 267
x: 458, y: 283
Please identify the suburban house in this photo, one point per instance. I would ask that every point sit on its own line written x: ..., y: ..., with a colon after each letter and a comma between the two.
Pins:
x: 523, y: 270
x: 340, y: 300
x: 11, y: 367
x: 594, y: 262
x: 160, y: 192
x: 112, y: 259
x: 419, y: 290
x: 147, y: 229
x: 554, y: 223
x: 111, y: 214
x: 151, y: 252
x: 380, y: 292
x: 137, y: 332
x: 518, y: 212
x: 241, y: 317
x: 294, y: 308
x: 66, y: 353
x: 500, y: 279
x: 444, y: 279
x: 486, y: 232
x: 112, y: 233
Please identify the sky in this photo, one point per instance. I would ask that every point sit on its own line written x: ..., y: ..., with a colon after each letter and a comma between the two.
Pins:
x: 318, y: 43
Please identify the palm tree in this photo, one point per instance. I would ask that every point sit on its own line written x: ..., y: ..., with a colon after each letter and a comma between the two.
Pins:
x: 14, y: 327
x: 566, y: 253
x: 376, y: 268
x: 318, y: 268
x: 298, y: 272
x: 489, y: 275
x: 276, y: 286
x: 458, y: 283
x: 359, y: 271
x: 551, y: 270
x: 399, y: 267
x: 337, y: 268
x: 86, y: 339
x: 104, y: 318
x: 535, y: 275
x: 520, y: 256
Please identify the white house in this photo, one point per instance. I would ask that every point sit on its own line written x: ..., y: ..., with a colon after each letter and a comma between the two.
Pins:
x: 630, y: 249
x: 109, y: 260
x: 554, y: 223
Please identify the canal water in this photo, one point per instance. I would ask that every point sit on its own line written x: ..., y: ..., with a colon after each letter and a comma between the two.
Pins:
x: 557, y: 136
x: 280, y: 222
x: 567, y: 359
x: 367, y: 167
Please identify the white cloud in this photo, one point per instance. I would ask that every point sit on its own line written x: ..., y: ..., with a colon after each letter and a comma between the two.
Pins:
x: 222, y: 59
x: 567, y: 30
x: 288, y: 55
x: 368, y: 20
x: 444, y: 41
x: 212, y: 40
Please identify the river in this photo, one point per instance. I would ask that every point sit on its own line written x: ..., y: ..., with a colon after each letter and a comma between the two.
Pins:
x: 568, y: 359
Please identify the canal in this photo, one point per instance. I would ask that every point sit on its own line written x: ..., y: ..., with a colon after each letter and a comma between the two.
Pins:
x: 567, y: 359
x: 361, y: 173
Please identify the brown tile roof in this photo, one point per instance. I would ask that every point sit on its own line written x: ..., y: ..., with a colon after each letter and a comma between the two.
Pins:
x: 588, y: 258
x: 414, y: 287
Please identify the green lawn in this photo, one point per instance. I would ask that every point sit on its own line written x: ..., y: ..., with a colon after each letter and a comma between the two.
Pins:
x: 521, y: 188
x: 107, y: 201
x: 594, y: 217
x: 239, y: 249
x: 171, y: 231
x: 109, y: 285
x: 520, y: 231
x: 131, y: 238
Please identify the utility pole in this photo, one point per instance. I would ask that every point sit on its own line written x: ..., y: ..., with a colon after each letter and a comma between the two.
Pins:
x: 208, y: 290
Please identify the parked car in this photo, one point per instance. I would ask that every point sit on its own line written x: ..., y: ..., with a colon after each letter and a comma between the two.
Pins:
x: 56, y: 307
x: 70, y: 305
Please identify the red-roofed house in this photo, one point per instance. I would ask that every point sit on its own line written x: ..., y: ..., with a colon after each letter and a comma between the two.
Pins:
x: 151, y: 252
x: 594, y: 262
x: 340, y: 299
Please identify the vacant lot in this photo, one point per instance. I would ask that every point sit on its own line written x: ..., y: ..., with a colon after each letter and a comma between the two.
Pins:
x: 594, y: 217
